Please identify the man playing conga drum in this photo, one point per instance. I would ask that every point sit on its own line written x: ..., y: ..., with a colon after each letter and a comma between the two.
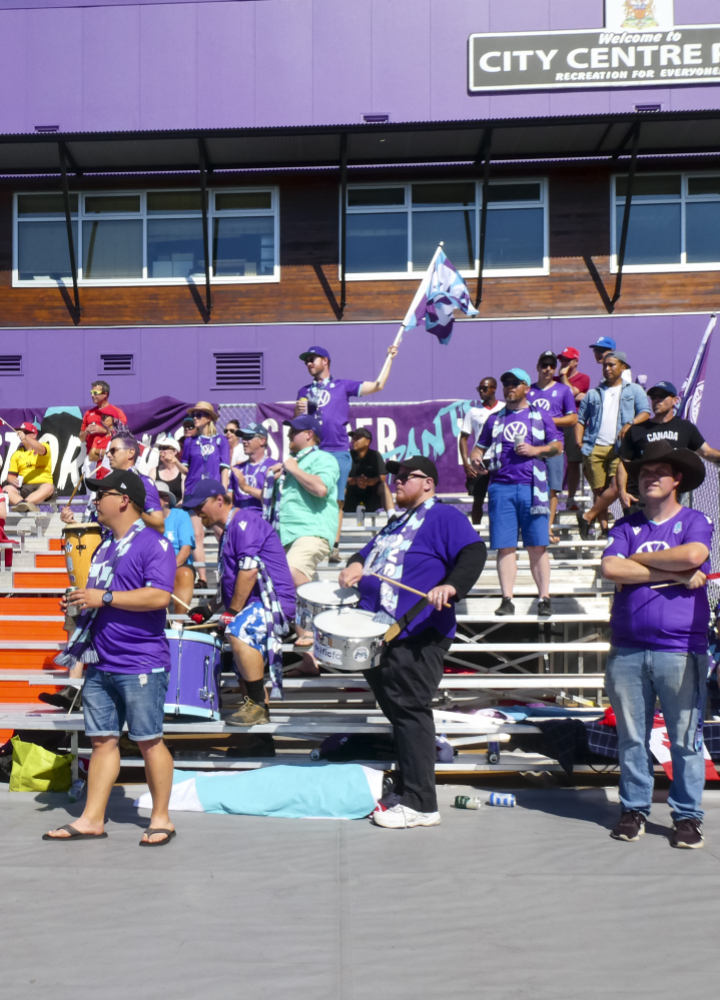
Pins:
x: 432, y: 548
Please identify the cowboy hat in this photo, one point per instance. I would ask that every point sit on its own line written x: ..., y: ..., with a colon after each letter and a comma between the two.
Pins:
x: 679, y: 459
x: 206, y: 408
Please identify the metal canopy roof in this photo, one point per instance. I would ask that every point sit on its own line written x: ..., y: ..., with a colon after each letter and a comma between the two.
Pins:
x: 388, y: 143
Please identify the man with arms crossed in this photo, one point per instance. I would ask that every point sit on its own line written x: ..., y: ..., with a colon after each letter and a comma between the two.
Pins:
x: 256, y: 589
x: 432, y: 548
x: 328, y: 399
x: 659, y: 639
x: 121, y: 636
x: 473, y: 422
x: 519, y: 494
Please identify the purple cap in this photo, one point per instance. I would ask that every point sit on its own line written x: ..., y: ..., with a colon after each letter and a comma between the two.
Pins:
x: 305, y: 422
x: 202, y: 491
x: 321, y: 352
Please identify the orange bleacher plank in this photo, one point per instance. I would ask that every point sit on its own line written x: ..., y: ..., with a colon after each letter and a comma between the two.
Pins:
x: 56, y: 544
x: 28, y: 606
x: 27, y: 580
x: 5, y: 735
x: 49, y: 560
x: 22, y: 693
x: 27, y: 659
x: 32, y: 631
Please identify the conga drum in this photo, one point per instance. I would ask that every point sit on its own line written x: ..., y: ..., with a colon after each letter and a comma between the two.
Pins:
x: 80, y: 543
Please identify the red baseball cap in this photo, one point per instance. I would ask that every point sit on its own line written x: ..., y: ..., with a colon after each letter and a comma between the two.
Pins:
x: 570, y: 352
x: 28, y: 428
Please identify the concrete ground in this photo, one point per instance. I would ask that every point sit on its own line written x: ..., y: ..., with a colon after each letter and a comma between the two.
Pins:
x: 535, y: 902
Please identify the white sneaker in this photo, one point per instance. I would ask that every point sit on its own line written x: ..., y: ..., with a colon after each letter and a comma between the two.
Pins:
x: 401, y: 817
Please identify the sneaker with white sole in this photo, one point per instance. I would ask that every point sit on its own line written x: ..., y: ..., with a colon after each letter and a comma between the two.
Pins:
x: 401, y: 817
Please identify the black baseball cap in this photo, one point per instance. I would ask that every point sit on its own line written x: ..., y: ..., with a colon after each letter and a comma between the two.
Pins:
x: 663, y: 388
x: 123, y: 481
x: 418, y: 463
x: 361, y: 432
x: 550, y: 356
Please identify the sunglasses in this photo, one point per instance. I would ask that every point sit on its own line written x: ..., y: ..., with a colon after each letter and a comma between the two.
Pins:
x: 231, y: 430
x: 402, y: 477
x: 97, y: 392
x: 549, y: 364
x: 484, y: 388
x: 199, y: 413
x: 511, y: 385
x: 107, y: 493
x: 114, y: 451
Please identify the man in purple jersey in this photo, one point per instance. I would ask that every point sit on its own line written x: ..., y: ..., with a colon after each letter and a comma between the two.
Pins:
x: 432, y: 548
x: 249, y: 478
x: 328, y: 399
x: 121, y: 636
x: 518, y: 492
x: 558, y: 401
x: 253, y: 576
x: 659, y: 639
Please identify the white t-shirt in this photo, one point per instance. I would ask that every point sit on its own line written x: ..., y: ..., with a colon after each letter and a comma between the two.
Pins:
x: 475, y: 418
x: 608, y: 424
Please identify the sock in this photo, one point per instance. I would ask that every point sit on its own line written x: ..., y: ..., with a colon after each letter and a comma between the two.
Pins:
x: 256, y: 691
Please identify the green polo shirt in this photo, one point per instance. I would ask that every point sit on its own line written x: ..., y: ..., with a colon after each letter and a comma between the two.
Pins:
x: 301, y: 513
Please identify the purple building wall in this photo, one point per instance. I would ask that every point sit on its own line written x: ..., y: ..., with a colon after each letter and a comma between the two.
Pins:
x: 117, y: 66
x: 60, y: 364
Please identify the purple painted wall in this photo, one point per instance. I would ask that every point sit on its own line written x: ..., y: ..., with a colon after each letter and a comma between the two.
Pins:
x: 60, y: 364
x: 282, y: 62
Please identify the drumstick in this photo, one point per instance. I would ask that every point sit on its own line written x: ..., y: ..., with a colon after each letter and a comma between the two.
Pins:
x: 677, y: 583
x: 176, y: 598
x: 402, y: 586
x: 72, y: 495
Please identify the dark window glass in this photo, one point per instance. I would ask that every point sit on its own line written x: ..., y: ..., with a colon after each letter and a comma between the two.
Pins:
x: 702, y: 232
x: 377, y: 242
x: 173, y: 201
x: 513, y: 192
x: 107, y: 203
x: 704, y: 185
x: 443, y: 194
x: 514, y: 238
x: 653, y: 234
x: 234, y: 200
x: 43, y: 250
x: 649, y: 186
x: 112, y: 248
x: 175, y: 248
x: 243, y: 247
x: 375, y: 197
x: 455, y: 229
x: 45, y: 204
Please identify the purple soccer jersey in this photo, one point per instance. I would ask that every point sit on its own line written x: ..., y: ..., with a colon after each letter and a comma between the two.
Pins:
x: 204, y: 457
x: 673, y: 618
x: 556, y: 400
x: 133, y: 642
x: 515, y: 468
x: 255, y: 476
x: 332, y: 410
x: 152, y: 497
x: 430, y: 558
x: 248, y: 534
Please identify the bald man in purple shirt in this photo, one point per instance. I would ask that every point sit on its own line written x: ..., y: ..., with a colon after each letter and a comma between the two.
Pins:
x: 659, y: 639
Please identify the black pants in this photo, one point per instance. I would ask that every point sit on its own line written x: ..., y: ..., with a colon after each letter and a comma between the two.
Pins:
x: 404, y: 684
x: 477, y: 488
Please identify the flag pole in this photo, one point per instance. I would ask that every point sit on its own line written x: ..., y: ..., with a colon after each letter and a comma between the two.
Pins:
x: 697, y: 359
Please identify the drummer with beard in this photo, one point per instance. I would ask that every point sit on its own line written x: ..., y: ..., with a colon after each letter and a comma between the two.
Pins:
x: 434, y: 549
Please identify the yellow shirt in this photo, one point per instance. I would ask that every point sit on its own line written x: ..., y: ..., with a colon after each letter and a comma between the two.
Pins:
x: 32, y: 467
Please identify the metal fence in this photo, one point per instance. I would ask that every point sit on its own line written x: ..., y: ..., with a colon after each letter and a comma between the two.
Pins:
x: 244, y: 413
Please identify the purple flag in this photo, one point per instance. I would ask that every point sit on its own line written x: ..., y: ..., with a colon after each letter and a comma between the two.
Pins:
x: 441, y: 292
x: 692, y: 388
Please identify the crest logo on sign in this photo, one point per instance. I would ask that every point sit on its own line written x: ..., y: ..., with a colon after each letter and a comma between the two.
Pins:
x: 513, y: 430
x: 656, y: 546
x: 636, y: 15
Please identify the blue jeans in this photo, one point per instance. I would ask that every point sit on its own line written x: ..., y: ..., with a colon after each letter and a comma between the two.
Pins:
x: 109, y: 700
x: 634, y: 679
x: 344, y: 460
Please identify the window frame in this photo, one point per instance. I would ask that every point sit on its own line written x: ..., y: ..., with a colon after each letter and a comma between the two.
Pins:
x: 415, y: 275
x: 197, y: 279
x: 662, y: 199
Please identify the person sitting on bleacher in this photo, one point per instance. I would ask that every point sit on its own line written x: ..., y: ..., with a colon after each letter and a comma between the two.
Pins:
x: 180, y: 534
x: 30, y: 471
x: 256, y: 590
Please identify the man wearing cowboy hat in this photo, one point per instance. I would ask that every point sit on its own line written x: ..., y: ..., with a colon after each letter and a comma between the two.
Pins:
x: 659, y: 639
x: 205, y: 456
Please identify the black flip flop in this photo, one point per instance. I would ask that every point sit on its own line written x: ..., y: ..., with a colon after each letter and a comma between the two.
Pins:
x: 157, y: 843
x: 75, y: 834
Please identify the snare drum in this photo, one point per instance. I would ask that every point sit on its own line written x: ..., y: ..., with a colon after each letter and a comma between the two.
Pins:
x: 348, y: 639
x: 79, y: 543
x: 321, y: 595
x: 195, y: 663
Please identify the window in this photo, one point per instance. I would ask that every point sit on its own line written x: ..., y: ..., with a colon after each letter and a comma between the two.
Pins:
x: 238, y: 370
x: 674, y: 222
x: 394, y: 229
x: 153, y: 237
x: 116, y: 364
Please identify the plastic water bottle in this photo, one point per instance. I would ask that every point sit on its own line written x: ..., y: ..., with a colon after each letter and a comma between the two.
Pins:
x: 77, y: 790
x: 501, y: 799
x: 360, y: 516
x: 467, y: 802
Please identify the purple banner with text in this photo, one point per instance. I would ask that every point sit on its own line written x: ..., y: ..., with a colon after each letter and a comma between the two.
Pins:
x: 430, y: 428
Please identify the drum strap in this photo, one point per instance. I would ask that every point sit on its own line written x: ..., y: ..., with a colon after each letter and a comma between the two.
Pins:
x: 402, y: 623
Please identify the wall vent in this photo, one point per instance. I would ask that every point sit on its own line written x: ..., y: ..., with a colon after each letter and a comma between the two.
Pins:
x: 11, y: 364
x: 239, y: 371
x: 116, y: 364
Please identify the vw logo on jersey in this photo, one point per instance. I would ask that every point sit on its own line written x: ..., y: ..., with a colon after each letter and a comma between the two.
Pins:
x: 323, y: 398
x: 656, y: 546
x: 207, y: 449
x: 542, y: 403
x: 513, y: 430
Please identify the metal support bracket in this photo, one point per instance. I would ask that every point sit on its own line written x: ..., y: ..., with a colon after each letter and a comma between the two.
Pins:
x: 484, y: 156
x: 626, y: 216
x: 68, y: 222
x: 205, y: 228
x: 343, y: 222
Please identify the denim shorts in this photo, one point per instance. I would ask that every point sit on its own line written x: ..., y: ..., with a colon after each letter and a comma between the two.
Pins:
x: 110, y: 700
x: 555, y: 471
x: 249, y: 627
x: 509, y: 509
x: 344, y: 460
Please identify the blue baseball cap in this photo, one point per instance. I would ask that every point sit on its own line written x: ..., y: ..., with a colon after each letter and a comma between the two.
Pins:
x: 321, y: 352
x: 667, y: 389
x: 202, y: 491
x: 518, y: 373
x: 254, y: 430
x: 305, y: 422
x: 605, y: 343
